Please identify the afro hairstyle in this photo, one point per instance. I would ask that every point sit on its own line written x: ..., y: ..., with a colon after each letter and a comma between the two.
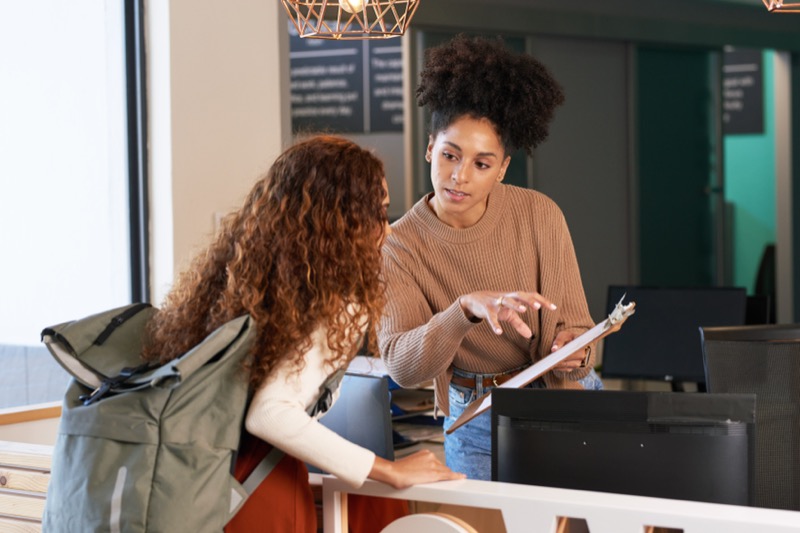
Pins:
x: 481, y: 78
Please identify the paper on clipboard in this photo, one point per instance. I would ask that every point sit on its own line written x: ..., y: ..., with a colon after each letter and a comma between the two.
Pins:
x: 609, y: 325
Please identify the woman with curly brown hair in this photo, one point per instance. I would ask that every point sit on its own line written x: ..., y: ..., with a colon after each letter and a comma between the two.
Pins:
x: 476, y: 255
x: 302, y: 258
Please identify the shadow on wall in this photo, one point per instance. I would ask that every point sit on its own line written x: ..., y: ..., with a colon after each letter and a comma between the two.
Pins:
x: 30, y: 375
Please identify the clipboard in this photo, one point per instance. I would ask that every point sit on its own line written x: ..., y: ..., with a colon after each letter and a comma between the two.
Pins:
x: 611, y: 324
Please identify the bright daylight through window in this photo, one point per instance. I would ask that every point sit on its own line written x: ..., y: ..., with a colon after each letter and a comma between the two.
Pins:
x: 63, y: 180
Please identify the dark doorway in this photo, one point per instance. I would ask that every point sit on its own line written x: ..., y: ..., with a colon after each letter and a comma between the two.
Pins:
x: 678, y: 158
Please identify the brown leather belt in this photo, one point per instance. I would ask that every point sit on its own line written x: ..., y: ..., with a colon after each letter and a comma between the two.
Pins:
x: 488, y: 381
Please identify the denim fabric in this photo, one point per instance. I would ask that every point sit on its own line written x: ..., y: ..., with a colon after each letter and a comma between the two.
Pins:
x: 469, y: 448
x: 592, y: 381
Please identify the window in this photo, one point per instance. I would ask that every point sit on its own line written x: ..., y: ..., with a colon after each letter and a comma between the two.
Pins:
x: 64, y: 206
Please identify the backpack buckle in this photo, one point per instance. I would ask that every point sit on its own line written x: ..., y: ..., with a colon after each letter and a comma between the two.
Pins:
x: 97, y: 394
x: 124, y: 375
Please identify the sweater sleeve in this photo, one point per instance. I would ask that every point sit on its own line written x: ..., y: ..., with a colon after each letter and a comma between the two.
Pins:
x: 416, y: 344
x: 574, y: 312
x: 277, y: 414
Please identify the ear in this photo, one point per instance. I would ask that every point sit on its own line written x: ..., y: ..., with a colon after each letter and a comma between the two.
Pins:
x: 503, y: 168
x: 429, y: 149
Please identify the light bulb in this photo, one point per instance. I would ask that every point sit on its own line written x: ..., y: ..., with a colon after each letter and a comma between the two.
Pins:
x: 352, y: 6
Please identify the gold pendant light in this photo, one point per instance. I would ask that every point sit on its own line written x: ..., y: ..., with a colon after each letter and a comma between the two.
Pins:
x: 350, y: 19
x: 778, y: 6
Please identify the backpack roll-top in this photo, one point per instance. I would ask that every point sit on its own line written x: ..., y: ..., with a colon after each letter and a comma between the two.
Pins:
x: 146, y: 447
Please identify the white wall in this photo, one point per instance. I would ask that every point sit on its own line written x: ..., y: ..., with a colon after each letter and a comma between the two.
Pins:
x: 218, y: 98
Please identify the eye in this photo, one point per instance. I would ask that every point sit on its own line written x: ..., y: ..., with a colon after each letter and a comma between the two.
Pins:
x: 481, y: 165
x: 448, y: 156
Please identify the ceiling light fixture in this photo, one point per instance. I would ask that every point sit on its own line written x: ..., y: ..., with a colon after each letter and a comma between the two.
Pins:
x: 350, y: 19
x: 779, y: 6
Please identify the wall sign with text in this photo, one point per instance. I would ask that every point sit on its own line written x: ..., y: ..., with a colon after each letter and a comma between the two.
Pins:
x: 346, y: 86
x: 742, y: 91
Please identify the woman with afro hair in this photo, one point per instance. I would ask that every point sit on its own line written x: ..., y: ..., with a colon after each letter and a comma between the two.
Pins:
x: 482, y: 278
x: 301, y: 257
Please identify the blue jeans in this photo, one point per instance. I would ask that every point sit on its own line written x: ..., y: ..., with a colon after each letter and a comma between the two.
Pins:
x: 592, y: 381
x: 469, y: 448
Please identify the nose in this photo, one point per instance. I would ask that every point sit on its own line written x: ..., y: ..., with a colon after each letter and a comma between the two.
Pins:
x: 458, y: 174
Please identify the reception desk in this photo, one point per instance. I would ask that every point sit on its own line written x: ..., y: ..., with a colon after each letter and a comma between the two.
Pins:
x: 524, y: 508
x: 527, y: 509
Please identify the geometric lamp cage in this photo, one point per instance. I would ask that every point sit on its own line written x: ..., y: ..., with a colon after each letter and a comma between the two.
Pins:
x: 350, y: 19
x: 779, y: 6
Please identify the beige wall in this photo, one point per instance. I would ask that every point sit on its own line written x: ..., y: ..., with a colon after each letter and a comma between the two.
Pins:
x: 218, y: 116
x: 32, y: 424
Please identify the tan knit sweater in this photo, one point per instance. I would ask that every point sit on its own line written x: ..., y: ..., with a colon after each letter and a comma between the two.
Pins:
x: 520, y: 244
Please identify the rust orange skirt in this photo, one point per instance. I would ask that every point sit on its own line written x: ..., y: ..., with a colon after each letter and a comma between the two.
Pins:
x: 284, y: 502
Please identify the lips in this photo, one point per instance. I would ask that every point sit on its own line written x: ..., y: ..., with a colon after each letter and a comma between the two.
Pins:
x: 456, y: 195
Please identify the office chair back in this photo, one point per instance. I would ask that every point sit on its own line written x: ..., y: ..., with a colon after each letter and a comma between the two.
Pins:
x: 764, y: 360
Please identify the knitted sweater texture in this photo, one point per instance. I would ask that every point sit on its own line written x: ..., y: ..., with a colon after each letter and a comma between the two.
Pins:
x: 521, y: 243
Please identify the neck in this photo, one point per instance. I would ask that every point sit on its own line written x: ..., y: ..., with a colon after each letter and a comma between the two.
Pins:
x: 456, y: 222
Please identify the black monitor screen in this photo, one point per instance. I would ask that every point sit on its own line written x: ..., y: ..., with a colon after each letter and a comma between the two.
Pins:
x: 679, y: 445
x: 661, y: 341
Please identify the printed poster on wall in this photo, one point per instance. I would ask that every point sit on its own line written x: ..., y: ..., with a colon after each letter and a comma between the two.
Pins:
x: 345, y: 86
x: 385, y: 85
x: 742, y: 91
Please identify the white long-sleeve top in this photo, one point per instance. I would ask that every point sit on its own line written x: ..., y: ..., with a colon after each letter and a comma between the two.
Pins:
x: 277, y: 415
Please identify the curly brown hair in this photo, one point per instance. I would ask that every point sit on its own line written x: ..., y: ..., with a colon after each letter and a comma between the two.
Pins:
x: 482, y: 78
x: 303, y: 251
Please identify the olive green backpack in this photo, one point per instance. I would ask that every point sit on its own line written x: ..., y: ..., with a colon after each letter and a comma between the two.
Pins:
x: 147, y: 447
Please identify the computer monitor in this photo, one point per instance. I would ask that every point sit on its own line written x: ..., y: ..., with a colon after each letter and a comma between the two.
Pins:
x: 662, y: 340
x: 759, y: 310
x: 679, y: 445
x: 362, y: 414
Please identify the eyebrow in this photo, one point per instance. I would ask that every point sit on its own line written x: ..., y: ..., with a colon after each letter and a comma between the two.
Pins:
x: 480, y: 154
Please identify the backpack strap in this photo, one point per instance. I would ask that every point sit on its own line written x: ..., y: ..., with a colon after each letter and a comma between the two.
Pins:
x: 118, y: 320
x: 263, y: 469
x: 274, y: 456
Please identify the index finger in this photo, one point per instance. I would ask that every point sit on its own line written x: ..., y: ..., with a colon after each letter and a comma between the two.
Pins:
x: 532, y: 299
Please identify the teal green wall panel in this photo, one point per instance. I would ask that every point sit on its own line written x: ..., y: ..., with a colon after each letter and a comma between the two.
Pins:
x: 750, y: 188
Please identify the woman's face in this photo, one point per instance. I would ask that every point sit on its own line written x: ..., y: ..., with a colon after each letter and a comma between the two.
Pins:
x: 467, y: 159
